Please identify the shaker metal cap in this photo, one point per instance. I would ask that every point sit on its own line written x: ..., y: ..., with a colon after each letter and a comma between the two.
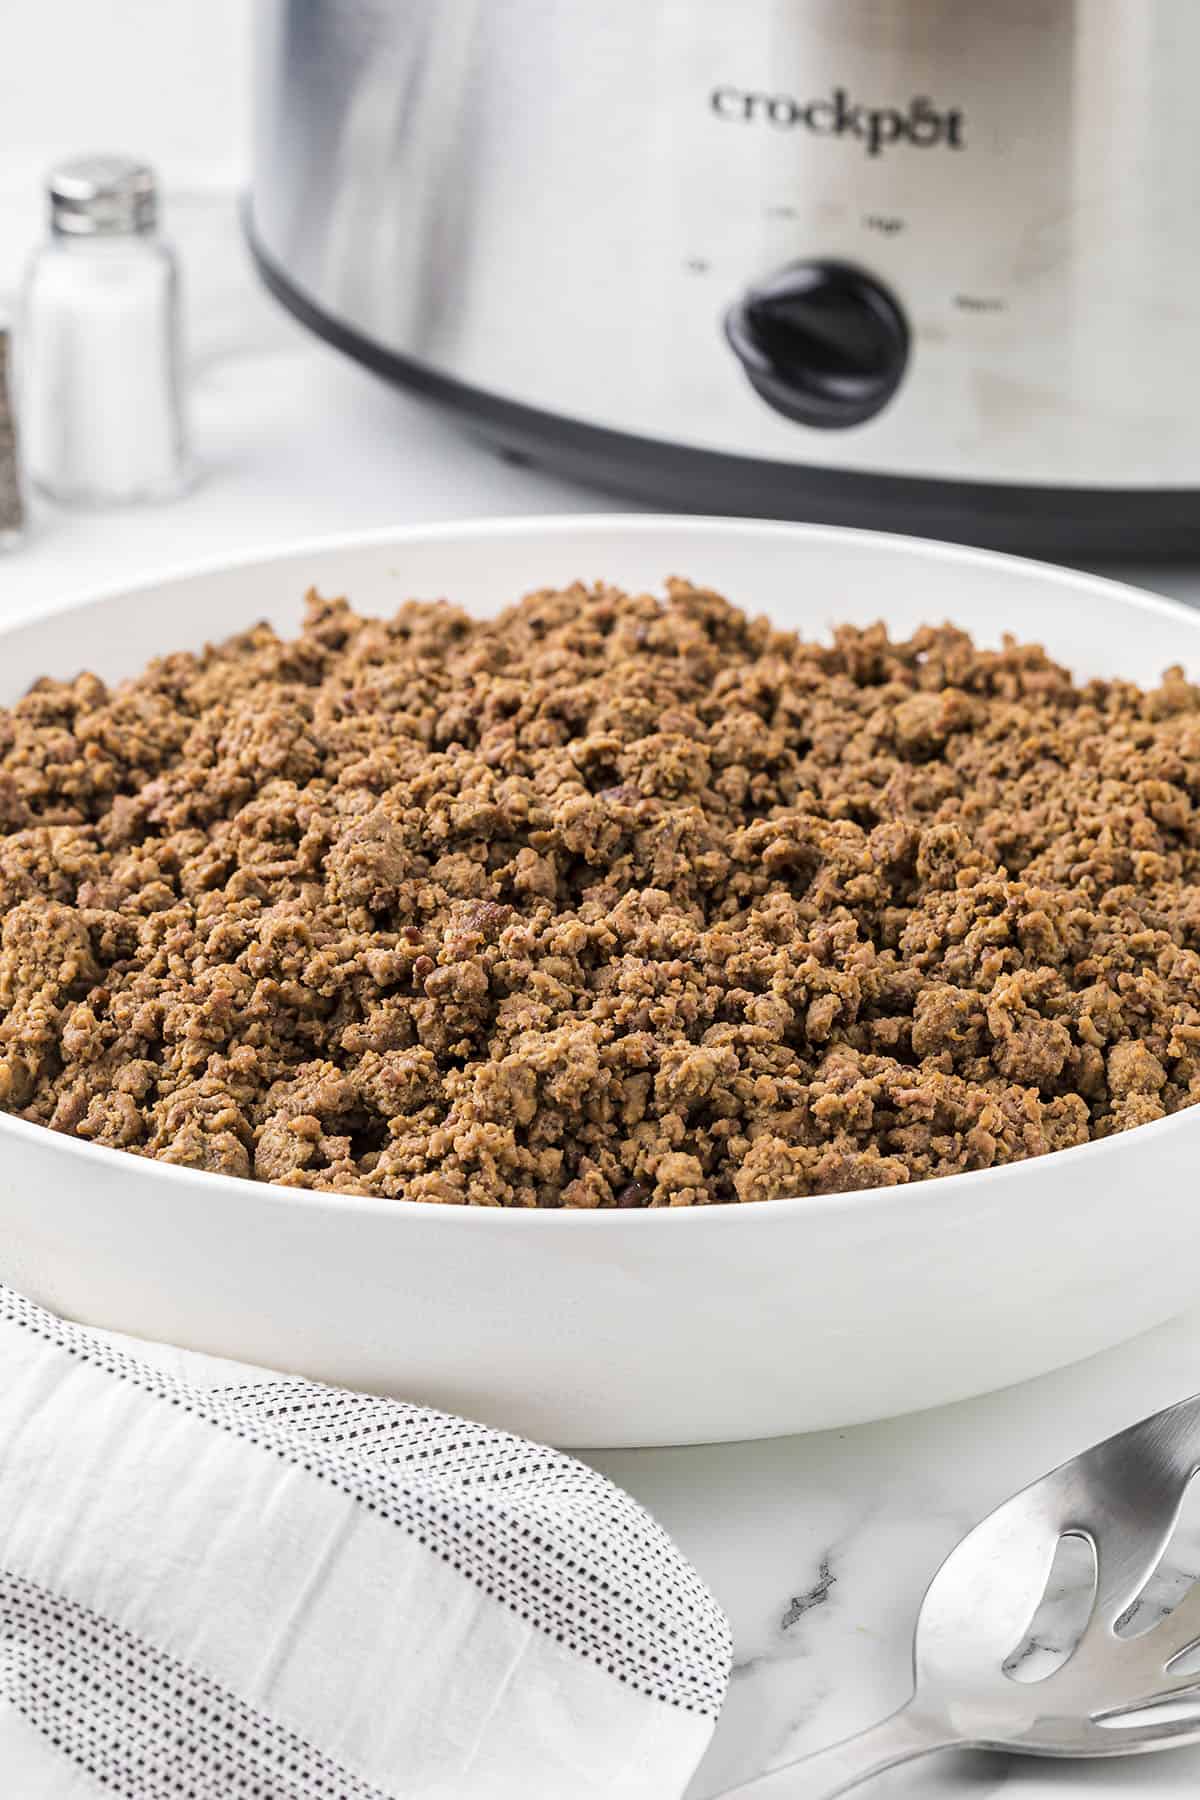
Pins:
x: 102, y: 196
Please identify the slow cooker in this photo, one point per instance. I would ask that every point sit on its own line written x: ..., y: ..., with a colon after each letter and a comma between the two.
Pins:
x: 928, y: 264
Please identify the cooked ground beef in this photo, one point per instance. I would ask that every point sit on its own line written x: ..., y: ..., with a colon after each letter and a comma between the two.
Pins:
x: 604, y: 902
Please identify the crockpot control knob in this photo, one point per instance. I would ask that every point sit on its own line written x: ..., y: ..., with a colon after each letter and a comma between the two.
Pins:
x: 821, y: 342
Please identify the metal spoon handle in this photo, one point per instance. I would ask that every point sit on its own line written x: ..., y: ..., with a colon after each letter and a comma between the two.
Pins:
x: 826, y: 1773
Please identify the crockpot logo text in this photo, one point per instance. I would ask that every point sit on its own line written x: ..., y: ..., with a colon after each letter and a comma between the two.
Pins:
x: 876, y: 127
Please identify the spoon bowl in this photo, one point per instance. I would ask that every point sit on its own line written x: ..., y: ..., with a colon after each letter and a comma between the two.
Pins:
x: 1113, y: 1690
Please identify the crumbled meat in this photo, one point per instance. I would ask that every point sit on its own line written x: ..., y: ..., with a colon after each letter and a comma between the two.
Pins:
x: 605, y: 902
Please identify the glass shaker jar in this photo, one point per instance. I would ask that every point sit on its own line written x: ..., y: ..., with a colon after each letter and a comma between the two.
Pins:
x: 102, y: 412
x: 12, y: 497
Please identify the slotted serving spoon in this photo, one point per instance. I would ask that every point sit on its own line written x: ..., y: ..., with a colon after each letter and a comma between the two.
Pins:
x: 1113, y: 1695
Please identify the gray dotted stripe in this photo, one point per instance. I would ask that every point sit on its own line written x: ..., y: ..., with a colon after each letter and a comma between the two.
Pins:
x: 476, y: 1456
x: 143, y: 1724
x: 546, y: 1537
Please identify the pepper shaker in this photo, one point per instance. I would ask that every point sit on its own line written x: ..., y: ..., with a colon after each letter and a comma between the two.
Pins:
x: 12, y: 500
x: 101, y: 392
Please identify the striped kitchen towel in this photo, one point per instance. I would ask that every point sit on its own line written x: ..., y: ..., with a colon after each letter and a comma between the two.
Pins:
x: 217, y: 1583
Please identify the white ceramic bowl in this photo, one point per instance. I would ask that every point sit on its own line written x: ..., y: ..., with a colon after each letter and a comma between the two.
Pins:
x: 624, y: 1328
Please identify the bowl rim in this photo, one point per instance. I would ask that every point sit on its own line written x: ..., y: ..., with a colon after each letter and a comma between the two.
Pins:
x: 934, y: 1193
x: 937, y: 1193
x: 605, y: 524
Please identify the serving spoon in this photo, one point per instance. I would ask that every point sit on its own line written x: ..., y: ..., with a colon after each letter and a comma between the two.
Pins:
x: 1127, y: 1685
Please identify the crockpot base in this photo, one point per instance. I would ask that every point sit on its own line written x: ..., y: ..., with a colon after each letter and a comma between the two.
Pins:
x: 1139, y: 523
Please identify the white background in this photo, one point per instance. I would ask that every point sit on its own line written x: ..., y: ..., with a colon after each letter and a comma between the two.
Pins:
x: 174, y: 73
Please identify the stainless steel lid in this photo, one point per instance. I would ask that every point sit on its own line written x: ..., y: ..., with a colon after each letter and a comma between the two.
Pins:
x: 92, y: 196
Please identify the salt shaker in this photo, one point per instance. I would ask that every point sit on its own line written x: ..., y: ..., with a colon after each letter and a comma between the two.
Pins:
x: 102, y: 414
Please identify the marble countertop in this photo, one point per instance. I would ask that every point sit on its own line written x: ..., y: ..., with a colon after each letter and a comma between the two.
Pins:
x: 819, y: 1547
